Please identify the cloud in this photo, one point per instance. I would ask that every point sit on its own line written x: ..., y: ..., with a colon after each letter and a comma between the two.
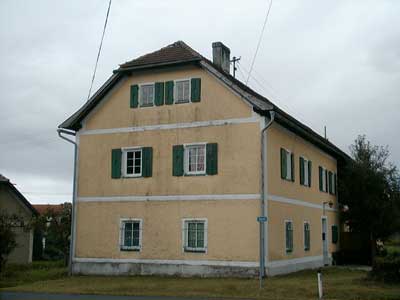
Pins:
x: 335, y: 64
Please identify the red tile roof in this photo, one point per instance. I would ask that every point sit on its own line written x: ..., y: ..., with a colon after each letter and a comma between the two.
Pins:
x: 43, y: 208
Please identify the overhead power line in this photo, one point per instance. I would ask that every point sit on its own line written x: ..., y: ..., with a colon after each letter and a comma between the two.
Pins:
x: 98, y: 53
x: 259, y: 41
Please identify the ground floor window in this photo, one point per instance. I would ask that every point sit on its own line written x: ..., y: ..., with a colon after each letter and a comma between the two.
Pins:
x: 289, y: 236
x: 195, y: 235
x: 131, y: 234
x: 306, y: 236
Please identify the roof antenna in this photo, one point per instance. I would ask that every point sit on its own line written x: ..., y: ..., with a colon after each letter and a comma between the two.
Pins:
x: 234, y: 60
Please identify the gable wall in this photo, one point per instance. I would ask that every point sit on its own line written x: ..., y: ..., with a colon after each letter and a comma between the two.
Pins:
x: 217, y: 102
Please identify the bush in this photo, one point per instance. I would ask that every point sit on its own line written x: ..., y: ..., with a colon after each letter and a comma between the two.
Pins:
x: 386, y: 268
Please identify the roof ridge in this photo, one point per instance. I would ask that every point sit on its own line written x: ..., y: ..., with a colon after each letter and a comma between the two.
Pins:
x: 178, y: 43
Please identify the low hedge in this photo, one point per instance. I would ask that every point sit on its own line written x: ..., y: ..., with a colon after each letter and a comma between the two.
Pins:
x: 386, y: 268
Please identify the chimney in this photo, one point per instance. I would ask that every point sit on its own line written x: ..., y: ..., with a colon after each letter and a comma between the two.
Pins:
x: 221, y: 56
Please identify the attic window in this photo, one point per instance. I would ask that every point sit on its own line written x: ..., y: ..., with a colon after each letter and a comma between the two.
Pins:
x: 146, y: 94
x: 182, y: 91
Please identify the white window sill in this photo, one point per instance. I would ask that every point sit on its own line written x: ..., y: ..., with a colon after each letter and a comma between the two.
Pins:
x: 198, y: 250
x: 130, y: 248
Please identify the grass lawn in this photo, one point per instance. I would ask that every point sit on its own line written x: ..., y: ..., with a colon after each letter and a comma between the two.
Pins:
x: 339, y: 283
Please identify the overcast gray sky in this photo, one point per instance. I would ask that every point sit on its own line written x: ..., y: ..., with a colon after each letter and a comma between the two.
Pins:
x: 333, y: 63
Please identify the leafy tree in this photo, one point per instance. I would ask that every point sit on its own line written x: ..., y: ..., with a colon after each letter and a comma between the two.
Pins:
x: 370, y: 187
x: 7, y: 235
x: 56, y: 227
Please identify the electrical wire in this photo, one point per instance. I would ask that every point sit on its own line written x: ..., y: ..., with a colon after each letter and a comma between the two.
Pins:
x: 259, y: 40
x: 98, y: 53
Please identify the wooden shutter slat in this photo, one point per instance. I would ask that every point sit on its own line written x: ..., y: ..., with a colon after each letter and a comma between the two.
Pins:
x: 177, y: 160
x: 116, y: 155
x: 283, y: 164
x: 159, y: 93
x: 309, y: 172
x: 292, y: 165
x: 321, y: 185
x: 301, y: 162
x: 134, y: 100
x: 147, y: 162
x: 169, y: 92
x: 195, y: 93
x: 212, y: 158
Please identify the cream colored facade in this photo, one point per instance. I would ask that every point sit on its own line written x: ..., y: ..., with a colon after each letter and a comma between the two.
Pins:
x: 229, y: 200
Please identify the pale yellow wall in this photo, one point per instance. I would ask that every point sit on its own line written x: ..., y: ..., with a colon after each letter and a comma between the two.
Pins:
x: 279, y: 212
x: 232, y: 229
x: 238, y: 162
x: 217, y: 102
x: 278, y: 138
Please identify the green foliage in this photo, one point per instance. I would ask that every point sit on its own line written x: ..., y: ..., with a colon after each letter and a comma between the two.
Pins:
x: 7, y: 235
x: 370, y: 187
x: 56, y: 227
x: 387, y: 268
x: 19, y: 274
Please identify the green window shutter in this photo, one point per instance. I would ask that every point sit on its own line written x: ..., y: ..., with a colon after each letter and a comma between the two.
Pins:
x: 330, y: 180
x: 335, y: 183
x: 134, y: 96
x: 116, y: 155
x: 309, y: 172
x: 147, y: 161
x: 195, y: 92
x: 212, y: 158
x: 321, y: 185
x: 283, y: 164
x: 159, y: 93
x: 335, y: 234
x: 169, y: 92
x: 177, y: 160
x: 301, y: 160
x: 326, y: 181
x: 292, y: 166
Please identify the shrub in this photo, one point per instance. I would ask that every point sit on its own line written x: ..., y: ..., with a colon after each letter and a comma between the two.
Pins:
x: 386, y: 268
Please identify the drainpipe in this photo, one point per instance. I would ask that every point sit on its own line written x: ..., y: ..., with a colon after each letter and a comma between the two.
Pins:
x: 73, y: 212
x: 264, y: 192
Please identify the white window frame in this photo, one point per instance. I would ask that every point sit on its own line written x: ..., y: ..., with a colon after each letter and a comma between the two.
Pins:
x: 185, y: 248
x: 289, y: 174
x: 124, y: 161
x: 324, y: 186
x: 286, y: 249
x: 306, y: 171
x: 186, y: 159
x: 122, y: 234
x: 140, y: 94
x: 333, y: 183
x: 176, y: 90
x: 304, y: 235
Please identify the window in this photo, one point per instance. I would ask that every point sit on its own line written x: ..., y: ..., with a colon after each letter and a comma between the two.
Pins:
x: 195, y: 235
x: 195, y: 159
x: 131, y: 234
x: 132, y: 162
x: 287, y: 166
x: 323, y: 179
x: 306, y: 236
x: 289, y: 236
x: 146, y: 94
x: 182, y: 91
x: 305, y: 171
x: 335, y: 234
x: 332, y: 183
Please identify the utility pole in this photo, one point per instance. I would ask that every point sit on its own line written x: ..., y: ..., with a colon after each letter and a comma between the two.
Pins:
x: 234, y: 60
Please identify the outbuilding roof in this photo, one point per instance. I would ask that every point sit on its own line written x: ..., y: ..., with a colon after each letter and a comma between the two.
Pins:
x: 179, y: 53
x: 4, y: 180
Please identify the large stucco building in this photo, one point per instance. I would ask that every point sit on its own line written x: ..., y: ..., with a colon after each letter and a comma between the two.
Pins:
x: 170, y: 178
